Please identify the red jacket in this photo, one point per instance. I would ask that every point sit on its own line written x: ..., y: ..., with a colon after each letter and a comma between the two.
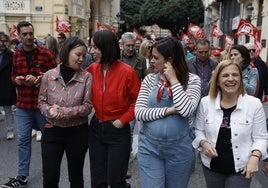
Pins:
x: 117, y: 100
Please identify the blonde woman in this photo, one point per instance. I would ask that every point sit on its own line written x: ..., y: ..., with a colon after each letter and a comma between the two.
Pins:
x: 146, y: 51
x: 230, y: 130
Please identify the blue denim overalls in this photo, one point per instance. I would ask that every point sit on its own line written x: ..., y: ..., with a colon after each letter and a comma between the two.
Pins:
x: 166, y: 156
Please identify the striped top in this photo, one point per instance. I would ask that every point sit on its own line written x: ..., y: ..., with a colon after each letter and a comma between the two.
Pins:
x: 185, y: 101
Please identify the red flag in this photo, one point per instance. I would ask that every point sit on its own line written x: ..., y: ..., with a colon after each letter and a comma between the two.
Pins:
x: 62, y: 26
x: 196, y: 32
x: 228, y: 39
x: 185, y: 38
x: 136, y: 32
x: 216, y: 32
x: 258, y: 49
x: 246, y: 28
x: 101, y: 26
x: 13, y: 32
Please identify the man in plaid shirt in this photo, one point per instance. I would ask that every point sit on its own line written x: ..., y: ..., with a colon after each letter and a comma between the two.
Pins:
x: 29, y: 63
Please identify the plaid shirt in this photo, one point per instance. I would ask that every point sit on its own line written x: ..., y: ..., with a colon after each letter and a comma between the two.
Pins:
x: 42, y: 61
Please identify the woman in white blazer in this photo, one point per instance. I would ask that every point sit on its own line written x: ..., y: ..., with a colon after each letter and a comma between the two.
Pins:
x: 230, y: 130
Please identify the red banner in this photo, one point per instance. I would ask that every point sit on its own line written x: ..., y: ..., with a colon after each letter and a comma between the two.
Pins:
x: 136, y: 32
x: 216, y: 32
x: 185, y: 38
x: 13, y: 32
x: 62, y: 26
x: 102, y: 26
x: 246, y: 28
x: 196, y: 32
x: 258, y: 49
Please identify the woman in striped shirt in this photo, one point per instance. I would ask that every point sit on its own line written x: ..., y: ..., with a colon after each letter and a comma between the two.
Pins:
x: 167, y: 99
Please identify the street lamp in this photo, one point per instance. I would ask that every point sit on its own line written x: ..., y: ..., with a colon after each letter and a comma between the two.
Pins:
x: 119, y: 22
x: 118, y: 16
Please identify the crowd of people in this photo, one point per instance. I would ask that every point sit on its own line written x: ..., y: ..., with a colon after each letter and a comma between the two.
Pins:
x: 184, y: 97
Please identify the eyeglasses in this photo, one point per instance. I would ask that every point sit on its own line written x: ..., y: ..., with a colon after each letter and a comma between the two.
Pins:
x: 252, y: 50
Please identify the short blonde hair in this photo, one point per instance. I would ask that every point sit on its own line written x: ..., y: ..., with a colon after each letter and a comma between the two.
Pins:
x: 214, y: 87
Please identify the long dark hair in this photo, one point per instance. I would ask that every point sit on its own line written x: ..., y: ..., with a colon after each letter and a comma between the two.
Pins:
x: 170, y: 47
x: 244, y: 52
x: 106, y: 41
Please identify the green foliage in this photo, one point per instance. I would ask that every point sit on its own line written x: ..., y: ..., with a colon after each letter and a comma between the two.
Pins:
x: 167, y: 14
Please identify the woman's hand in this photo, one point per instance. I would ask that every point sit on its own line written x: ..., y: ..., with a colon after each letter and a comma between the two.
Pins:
x: 55, y: 112
x: 118, y: 124
x: 170, y: 73
x: 171, y: 110
x: 251, y: 168
x: 208, y: 149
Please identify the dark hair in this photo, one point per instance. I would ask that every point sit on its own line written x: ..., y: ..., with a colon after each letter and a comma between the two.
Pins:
x: 106, y: 41
x: 170, y: 47
x: 68, y: 45
x: 62, y: 35
x: 202, y: 42
x: 23, y: 24
x: 243, y: 51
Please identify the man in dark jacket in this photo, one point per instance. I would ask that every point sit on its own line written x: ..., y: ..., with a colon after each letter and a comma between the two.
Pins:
x: 131, y: 57
x: 8, y: 92
x: 202, y: 65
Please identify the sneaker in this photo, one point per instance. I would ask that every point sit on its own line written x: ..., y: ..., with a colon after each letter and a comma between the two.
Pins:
x: 38, y: 136
x: 33, y: 132
x: 10, y: 135
x: 16, y: 182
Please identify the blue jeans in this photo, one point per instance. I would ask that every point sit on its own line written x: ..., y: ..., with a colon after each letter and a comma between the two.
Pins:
x: 10, y: 123
x: 165, y: 164
x: 26, y: 118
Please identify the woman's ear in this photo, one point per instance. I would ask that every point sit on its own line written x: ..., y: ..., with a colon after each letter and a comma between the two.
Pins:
x: 170, y: 59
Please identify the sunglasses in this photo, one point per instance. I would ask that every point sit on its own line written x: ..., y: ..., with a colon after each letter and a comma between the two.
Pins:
x: 252, y: 50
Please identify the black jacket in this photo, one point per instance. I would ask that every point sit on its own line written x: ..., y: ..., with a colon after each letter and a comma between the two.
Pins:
x: 7, y: 89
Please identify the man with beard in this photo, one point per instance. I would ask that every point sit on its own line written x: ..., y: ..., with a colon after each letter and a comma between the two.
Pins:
x: 130, y: 56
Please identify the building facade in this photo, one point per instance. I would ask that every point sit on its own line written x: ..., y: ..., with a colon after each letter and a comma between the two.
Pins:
x: 226, y: 14
x: 82, y: 15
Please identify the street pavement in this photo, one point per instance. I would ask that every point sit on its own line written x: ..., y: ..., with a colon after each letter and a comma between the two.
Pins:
x: 8, y: 166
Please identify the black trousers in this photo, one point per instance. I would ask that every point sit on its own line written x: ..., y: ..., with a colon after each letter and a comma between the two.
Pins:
x: 74, y: 142
x: 109, y: 149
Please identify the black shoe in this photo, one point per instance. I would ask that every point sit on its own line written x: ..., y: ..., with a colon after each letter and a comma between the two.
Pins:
x: 16, y: 182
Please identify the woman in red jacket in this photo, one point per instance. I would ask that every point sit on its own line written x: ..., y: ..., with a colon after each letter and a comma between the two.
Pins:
x: 115, y: 87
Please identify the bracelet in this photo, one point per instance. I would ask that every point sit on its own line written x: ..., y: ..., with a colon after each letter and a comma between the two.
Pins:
x: 254, y: 155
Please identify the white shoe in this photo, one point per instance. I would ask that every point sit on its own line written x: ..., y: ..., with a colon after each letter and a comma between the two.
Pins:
x: 33, y: 132
x: 10, y: 135
x: 38, y: 136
